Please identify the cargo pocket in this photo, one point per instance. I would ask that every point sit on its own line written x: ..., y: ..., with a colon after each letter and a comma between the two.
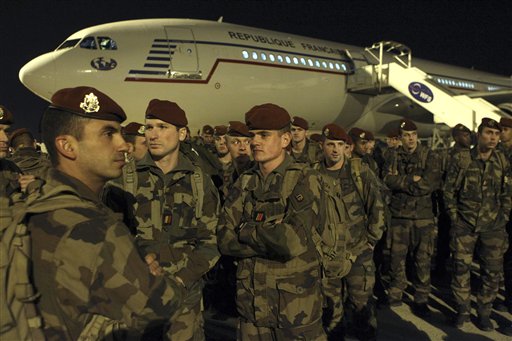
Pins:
x: 244, y: 293
x: 299, y: 303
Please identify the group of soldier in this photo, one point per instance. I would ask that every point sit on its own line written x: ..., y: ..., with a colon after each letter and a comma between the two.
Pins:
x: 303, y: 230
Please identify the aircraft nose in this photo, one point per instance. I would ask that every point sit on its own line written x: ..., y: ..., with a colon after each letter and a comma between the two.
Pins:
x: 38, y: 75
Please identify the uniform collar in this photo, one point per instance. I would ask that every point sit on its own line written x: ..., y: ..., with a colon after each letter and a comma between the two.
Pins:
x: 57, y: 177
x: 184, y: 164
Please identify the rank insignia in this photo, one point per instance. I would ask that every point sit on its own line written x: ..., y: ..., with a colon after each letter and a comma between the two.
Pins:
x: 299, y: 197
x: 167, y: 219
x: 90, y: 103
x: 259, y: 217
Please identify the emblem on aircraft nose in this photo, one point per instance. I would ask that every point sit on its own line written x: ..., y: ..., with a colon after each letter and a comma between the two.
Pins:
x: 421, y: 92
x: 103, y: 64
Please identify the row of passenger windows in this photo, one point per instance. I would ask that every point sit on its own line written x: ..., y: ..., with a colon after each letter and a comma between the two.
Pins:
x: 460, y: 84
x: 91, y: 43
x: 293, y: 60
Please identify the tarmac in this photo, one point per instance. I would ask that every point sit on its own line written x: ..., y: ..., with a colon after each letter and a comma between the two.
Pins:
x: 399, y: 323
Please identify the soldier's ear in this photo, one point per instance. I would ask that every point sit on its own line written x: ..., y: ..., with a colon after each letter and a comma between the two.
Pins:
x: 182, y: 133
x: 66, y: 146
x: 286, y: 138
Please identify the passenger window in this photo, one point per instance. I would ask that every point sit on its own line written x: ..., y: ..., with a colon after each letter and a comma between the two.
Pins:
x: 107, y: 43
x: 88, y: 43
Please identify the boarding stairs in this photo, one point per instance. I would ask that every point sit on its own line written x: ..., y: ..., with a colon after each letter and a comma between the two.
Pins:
x: 383, y: 74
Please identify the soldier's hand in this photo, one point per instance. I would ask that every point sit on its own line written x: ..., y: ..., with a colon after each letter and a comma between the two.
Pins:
x: 25, y: 180
x: 416, y: 178
x: 154, y: 266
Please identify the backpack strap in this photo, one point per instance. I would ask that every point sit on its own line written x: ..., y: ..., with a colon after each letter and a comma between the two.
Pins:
x: 198, y: 191
x: 355, y: 171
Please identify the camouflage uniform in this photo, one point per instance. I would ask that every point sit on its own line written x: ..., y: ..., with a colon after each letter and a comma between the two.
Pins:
x: 478, y: 199
x: 168, y: 225
x: 9, y: 173
x: 86, y: 262
x: 278, y: 276
x: 310, y: 154
x: 412, y: 223
x: 31, y: 162
x: 365, y: 219
x: 507, y: 260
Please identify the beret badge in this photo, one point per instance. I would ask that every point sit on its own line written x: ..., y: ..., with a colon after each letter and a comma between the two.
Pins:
x: 1, y: 113
x: 326, y: 131
x: 141, y: 130
x: 90, y: 103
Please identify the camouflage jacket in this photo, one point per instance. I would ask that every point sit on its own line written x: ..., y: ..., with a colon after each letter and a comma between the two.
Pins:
x: 364, y: 211
x: 86, y: 262
x: 410, y: 199
x: 507, y: 151
x: 9, y: 185
x: 31, y: 162
x: 230, y: 176
x: 478, y: 193
x: 310, y: 154
x: 166, y: 220
x: 278, y: 271
x: 369, y: 160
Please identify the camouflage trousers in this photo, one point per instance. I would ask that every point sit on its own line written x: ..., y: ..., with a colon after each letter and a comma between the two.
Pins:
x: 247, y: 331
x: 354, y: 290
x: 491, y: 247
x: 507, y: 266
x: 188, y: 324
x: 414, y: 237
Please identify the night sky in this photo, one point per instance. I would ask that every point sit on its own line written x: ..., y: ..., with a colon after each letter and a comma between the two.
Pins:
x: 474, y: 34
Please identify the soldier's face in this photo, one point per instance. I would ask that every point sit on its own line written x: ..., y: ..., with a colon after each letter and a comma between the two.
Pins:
x: 410, y: 139
x: 4, y: 141
x: 371, y: 147
x: 163, y: 138
x: 298, y: 134
x: 463, y: 139
x: 140, y: 148
x: 221, y: 145
x: 361, y: 147
x: 506, y: 135
x: 100, y: 151
x: 269, y: 145
x: 488, y: 138
x: 334, y: 152
x: 208, y: 138
x: 239, y: 146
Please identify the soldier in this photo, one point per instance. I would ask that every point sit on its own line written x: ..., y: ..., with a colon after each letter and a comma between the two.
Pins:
x: 371, y: 142
x: 176, y: 213
x: 133, y: 134
x: 303, y: 150
x: 478, y: 199
x: 25, y: 156
x: 362, y: 148
x: 9, y: 172
x: 86, y: 265
x: 505, y: 146
x: 268, y: 222
x: 412, y: 173
x: 360, y: 198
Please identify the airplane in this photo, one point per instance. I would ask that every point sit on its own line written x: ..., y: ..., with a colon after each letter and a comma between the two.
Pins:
x: 217, y: 71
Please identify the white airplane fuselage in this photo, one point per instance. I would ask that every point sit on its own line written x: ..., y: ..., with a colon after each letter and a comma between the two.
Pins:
x: 217, y: 71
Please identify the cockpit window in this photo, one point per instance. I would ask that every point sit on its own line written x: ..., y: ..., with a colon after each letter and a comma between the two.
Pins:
x: 107, y: 43
x: 68, y: 44
x: 88, y: 43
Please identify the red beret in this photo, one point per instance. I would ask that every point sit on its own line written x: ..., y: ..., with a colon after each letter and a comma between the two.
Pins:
x: 237, y: 128
x: 333, y: 131
x: 316, y: 137
x: 207, y: 129
x: 267, y: 117
x: 134, y: 128
x: 506, y: 122
x: 166, y: 111
x: 357, y: 134
x: 490, y: 123
x: 369, y: 136
x: 19, y: 132
x: 300, y: 122
x: 407, y: 125
x: 349, y: 140
x: 88, y: 102
x: 220, y: 130
x: 460, y: 128
x: 5, y: 116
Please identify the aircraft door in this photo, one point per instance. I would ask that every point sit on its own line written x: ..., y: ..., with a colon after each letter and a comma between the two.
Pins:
x: 183, y: 53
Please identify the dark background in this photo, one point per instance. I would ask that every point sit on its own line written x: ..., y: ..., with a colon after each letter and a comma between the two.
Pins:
x: 473, y: 34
